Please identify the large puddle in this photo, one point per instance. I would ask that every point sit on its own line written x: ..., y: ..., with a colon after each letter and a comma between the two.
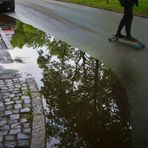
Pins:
x: 86, y: 103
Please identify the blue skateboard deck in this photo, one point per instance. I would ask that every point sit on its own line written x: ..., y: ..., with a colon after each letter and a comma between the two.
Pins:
x: 135, y: 45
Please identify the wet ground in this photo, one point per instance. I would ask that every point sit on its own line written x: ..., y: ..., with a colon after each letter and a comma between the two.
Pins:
x: 86, y: 104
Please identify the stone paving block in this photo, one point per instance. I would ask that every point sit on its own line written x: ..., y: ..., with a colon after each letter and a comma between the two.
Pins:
x: 12, y: 121
x: 16, y: 125
x: 9, y: 137
x: 16, y: 89
x: 18, y: 106
x: 10, y: 144
x: 18, y: 86
x: 27, y: 130
x: 9, y: 107
x: 15, y: 131
x: 8, y: 81
x: 23, y: 143
x: 8, y: 112
x: 16, y: 80
x: 15, y: 116
x: 4, y: 88
x: 3, y: 91
x: 25, y: 110
x: 24, y: 89
x: 18, y: 94
x: 26, y: 125
x: 11, y: 89
x: 28, y: 105
x: 9, y: 103
x: 5, y: 96
x: 4, y: 128
x: 16, y: 98
x: 3, y: 133
x: 15, y: 111
x: 7, y: 100
x: 12, y: 96
x: 23, y: 120
x: 18, y: 101
x: 10, y: 86
x: 27, y: 101
x: 25, y: 97
x: 24, y: 85
x: 4, y: 122
x: 21, y: 136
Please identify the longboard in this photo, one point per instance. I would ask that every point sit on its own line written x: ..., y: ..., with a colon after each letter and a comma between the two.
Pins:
x: 135, y: 45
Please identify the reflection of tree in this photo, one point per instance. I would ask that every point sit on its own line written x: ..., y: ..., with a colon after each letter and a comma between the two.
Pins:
x: 26, y: 34
x: 87, y: 103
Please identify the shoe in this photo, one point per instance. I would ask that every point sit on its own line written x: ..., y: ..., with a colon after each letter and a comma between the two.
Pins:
x: 132, y: 39
x: 120, y: 36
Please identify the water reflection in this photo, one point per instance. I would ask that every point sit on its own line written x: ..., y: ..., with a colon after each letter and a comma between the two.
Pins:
x: 87, y: 103
x: 87, y: 106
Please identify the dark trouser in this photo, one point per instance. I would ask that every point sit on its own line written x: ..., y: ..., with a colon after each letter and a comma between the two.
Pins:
x: 126, y: 20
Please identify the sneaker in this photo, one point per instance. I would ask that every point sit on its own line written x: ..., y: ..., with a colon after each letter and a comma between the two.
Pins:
x: 132, y: 39
x: 120, y: 36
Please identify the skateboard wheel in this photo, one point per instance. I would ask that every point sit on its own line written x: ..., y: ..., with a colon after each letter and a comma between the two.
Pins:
x: 138, y: 46
x: 142, y: 46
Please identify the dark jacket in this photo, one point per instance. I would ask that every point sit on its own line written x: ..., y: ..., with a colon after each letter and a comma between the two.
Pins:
x: 126, y: 3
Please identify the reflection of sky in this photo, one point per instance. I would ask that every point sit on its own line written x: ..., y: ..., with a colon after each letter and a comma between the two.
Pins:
x: 29, y: 66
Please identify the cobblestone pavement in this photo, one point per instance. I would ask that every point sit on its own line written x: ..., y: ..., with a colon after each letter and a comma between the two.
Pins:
x: 22, y: 122
x: 15, y: 113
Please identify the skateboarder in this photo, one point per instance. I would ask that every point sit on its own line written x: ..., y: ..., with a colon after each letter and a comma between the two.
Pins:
x: 127, y: 19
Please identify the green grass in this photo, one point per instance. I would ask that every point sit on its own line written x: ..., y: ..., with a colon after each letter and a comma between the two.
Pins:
x: 113, y: 5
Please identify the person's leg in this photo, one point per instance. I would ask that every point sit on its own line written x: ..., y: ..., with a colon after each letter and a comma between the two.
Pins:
x: 129, y: 18
x: 121, y: 25
x: 128, y: 24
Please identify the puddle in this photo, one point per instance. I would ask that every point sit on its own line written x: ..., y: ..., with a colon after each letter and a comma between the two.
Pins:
x: 86, y: 103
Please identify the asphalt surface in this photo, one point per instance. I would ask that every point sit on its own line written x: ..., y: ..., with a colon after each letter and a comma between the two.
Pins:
x: 88, y: 29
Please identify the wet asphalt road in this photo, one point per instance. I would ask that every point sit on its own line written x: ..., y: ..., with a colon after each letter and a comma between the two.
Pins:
x: 88, y: 29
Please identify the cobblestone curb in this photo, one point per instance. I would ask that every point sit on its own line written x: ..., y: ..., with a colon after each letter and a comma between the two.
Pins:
x: 6, y: 41
x: 38, y: 127
x: 15, y: 113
